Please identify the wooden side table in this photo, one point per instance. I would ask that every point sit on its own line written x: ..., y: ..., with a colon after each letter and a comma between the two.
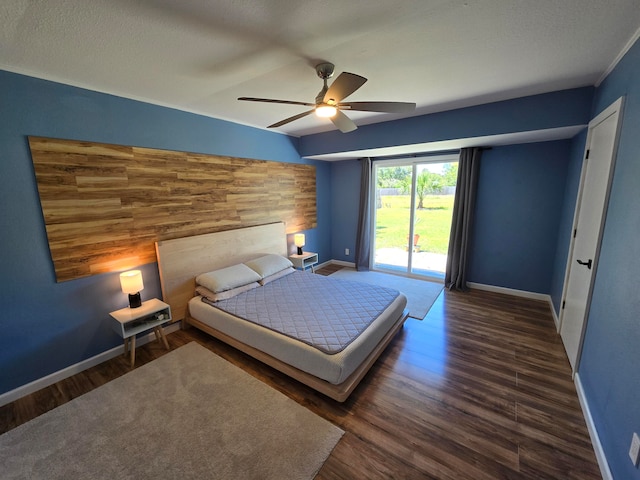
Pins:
x: 128, y: 322
x: 307, y: 259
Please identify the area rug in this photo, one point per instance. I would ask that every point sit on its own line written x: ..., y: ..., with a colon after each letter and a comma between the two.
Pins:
x: 189, y: 415
x: 420, y: 293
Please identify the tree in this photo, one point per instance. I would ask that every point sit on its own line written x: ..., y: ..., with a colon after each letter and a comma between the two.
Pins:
x: 426, y: 183
x: 393, y: 177
x: 450, y: 176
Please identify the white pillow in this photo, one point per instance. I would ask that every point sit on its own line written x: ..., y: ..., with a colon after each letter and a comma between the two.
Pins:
x: 276, y: 276
x: 227, y: 278
x: 269, y: 264
x: 232, y: 292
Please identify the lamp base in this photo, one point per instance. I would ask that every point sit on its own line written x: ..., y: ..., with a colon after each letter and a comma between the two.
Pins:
x: 299, y: 250
x: 134, y: 300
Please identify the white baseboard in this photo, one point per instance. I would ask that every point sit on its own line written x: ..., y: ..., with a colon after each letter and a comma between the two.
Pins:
x: 556, y: 320
x: 593, y: 433
x: 341, y: 262
x: 67, y: 372
x: 324, y: 264
x: 510, y: 291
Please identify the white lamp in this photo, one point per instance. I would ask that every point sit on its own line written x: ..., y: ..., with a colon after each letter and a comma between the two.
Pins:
x: 131, y: 283
x: 298, y: 240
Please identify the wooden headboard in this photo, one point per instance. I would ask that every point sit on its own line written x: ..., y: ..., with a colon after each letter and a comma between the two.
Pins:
x: 182, y: 259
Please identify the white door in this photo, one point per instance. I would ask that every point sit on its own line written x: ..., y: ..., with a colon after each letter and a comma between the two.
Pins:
x: 588, y: 225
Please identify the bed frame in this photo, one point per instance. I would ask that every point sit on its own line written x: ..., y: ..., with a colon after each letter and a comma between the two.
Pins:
x: 181, y: 260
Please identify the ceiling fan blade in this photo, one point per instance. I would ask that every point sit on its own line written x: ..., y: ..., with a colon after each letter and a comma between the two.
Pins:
x: 387, y: 107
x: 344, y: 123
x: 270, y: 100
x: 343, y: 86
x: 291, y: 119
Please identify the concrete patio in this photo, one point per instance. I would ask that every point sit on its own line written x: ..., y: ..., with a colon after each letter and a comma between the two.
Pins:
x: 424, y: 263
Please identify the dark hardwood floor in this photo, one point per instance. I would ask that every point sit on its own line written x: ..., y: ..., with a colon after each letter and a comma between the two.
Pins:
x: 480, y: 389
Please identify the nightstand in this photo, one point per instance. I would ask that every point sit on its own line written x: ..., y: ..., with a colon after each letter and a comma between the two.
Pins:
x: 128, y: 322
x: 307, y: 259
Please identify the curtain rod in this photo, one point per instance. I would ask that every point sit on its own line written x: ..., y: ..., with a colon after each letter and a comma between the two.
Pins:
x: 422, y: 154
x: 416, y: 155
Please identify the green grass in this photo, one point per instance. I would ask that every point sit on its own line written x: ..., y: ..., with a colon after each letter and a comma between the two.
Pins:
x: 433, y: 223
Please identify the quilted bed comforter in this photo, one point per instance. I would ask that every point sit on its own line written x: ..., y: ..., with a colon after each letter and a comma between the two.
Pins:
x: 323, y: 312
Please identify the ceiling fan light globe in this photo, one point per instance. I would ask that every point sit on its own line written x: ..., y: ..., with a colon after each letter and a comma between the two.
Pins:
x: 326, y: 111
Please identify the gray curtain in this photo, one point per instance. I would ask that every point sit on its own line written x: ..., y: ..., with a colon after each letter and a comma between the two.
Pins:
x: 462, y: 221
x: 363, y: 240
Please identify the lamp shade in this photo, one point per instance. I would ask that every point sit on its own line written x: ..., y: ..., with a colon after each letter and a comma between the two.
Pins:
x: 131, y: 281
x: 298, y: 239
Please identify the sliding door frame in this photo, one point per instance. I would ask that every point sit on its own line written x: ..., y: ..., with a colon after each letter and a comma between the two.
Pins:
x: 412, y: 162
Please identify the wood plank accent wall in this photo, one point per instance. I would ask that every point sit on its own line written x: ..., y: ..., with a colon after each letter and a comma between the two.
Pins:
x: 105, y: 206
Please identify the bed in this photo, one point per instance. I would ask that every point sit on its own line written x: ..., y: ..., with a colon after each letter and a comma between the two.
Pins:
x: 278, y: 319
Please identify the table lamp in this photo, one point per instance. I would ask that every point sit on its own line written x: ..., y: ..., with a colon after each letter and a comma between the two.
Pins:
x: 131, y: 283
x: 298, y: 240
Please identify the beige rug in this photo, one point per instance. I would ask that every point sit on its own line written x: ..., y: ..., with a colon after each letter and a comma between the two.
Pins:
x: 420, y: 293
x: 187, y: 415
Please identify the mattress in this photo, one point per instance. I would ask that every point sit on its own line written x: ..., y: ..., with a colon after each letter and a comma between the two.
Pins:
x: 323, y: 326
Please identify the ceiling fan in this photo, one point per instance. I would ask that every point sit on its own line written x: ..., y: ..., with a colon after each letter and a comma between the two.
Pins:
x: 329, y: 101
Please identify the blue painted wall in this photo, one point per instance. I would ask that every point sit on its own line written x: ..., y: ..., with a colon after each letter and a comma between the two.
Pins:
x: 515, y: 230
x: 345, y: 179
x: 537, y: 112
x: 47, y: 326
x: 557, y: 109
x: 609, y: 366
x: 520, y: 201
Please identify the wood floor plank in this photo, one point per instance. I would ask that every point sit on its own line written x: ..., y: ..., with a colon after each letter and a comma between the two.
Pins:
x: 479, y: 389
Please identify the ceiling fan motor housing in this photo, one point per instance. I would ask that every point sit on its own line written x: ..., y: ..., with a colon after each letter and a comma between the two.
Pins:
x: 325, y: 70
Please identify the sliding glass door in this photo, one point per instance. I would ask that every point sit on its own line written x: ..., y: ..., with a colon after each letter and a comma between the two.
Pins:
x: 412, y: 214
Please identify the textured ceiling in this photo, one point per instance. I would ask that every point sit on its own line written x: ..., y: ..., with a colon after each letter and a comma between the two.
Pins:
x: 200, y: 55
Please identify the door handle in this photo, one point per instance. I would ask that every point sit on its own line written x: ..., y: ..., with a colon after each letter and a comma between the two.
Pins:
x: 588, y: 264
